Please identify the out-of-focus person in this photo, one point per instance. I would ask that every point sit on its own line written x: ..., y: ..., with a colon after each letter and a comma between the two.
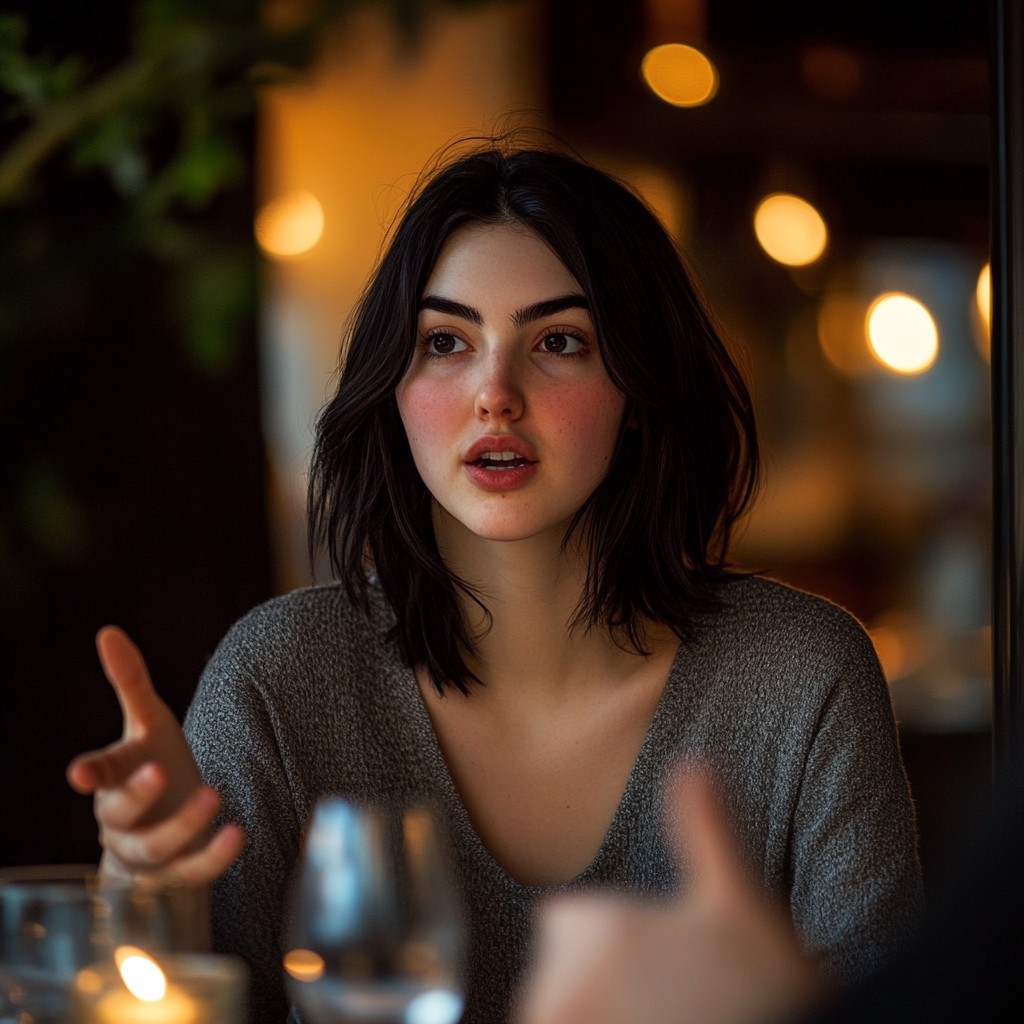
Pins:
x: 722, y: 953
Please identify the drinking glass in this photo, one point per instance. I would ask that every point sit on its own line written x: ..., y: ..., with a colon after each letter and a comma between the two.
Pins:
x: 48, y: 932
x: 375, y: 931
x: 157, y: 969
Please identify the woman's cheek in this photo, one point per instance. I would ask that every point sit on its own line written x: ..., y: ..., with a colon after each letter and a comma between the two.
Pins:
x: 585, y: 420
x: 431, y: 415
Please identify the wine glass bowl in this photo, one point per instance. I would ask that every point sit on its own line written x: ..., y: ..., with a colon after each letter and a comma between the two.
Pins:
x: 375, y: 932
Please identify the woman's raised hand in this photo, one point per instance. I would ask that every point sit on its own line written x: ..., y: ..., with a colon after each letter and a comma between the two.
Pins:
x: 153, y: 810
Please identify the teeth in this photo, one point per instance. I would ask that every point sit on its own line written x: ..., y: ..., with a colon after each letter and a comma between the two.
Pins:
x: 499, y: 456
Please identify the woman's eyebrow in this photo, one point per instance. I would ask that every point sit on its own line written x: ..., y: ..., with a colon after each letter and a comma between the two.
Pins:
x: 537, y: 311
x: 452, y: 308
x: 548, y: 307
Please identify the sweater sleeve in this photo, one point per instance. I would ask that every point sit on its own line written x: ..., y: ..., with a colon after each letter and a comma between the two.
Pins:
x: 854, y: 876
x: 232, y: 737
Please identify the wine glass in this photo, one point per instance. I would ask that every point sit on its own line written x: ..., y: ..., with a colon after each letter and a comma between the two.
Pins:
x: 375, y: 932
x: 48, y: 932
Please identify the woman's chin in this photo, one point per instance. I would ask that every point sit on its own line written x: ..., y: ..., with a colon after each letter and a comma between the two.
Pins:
x: 508, y: 528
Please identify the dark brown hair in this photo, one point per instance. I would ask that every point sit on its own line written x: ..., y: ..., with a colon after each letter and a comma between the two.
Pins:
x: 686, y: 463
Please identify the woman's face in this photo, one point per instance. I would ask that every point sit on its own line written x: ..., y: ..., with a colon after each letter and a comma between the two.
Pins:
x: 510, y: 414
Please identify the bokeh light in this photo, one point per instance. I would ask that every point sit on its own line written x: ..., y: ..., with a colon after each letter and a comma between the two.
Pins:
x: 841, y: 333
x: 142, y: 977
x: 303, y: 964
x: 902, y: 333
x: 889, y: 650
x: 290, y: 225
x: 680, y: 75
x: 790, y: 230
x: 983, y: 294
x: 983, y: 303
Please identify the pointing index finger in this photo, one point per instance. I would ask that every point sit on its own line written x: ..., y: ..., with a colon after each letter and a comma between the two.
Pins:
x: 126, y: 670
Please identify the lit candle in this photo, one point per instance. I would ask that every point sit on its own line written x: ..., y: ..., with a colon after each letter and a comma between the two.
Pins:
x: 197, y: 989
x: 174, y: 1007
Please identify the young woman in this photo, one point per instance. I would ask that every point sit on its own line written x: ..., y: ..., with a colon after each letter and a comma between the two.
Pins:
x: 526, y: 482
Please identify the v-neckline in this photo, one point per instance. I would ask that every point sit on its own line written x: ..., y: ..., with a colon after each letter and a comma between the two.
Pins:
x: 463, y: 823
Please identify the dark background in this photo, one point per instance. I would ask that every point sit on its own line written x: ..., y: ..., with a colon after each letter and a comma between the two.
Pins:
x: 134, y: 485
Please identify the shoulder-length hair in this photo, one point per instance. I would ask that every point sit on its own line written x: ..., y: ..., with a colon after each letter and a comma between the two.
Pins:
x: 656, y: 529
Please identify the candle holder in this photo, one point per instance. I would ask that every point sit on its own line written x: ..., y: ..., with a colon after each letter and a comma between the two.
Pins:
x: 157, y: 969
x: 136, y: 987
x: 158, y: 916
x: 77, y: 949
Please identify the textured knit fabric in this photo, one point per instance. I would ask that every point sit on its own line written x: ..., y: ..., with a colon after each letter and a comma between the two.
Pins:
x: 780, y: 690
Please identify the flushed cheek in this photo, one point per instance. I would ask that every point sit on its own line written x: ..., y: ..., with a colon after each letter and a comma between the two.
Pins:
x: 583, y: 421
x: 433, y: 418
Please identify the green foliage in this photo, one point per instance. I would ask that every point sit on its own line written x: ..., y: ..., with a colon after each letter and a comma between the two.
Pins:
x: 191, y: 70
x: 170, y: 127
x: 32, y: 81
x: 125, y: 194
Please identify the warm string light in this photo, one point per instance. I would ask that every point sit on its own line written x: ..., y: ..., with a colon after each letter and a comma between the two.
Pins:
x: 895, y: 331
x: 680, y: 75
x: 902, y: 333
x: 790, y: 230
x: 983, y: 304
x: 290, y: 225
x: 983, y: 295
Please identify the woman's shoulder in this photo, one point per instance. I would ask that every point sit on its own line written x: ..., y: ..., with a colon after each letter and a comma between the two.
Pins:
x: 315, y: 633
x: 774, y: 622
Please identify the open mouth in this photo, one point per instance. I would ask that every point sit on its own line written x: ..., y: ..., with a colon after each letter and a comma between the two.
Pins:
x: 500, y: 460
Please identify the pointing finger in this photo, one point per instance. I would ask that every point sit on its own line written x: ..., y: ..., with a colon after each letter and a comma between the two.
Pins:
x: 125, y: 668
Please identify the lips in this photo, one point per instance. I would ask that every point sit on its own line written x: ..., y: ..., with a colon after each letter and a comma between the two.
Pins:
x: 500, y: 447
x: 500, y: 462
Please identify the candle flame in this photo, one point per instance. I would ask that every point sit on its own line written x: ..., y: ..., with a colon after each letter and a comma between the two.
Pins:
x: 142, y: 977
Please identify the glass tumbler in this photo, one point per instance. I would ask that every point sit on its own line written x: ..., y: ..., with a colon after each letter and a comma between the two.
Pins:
x: 50, y: 928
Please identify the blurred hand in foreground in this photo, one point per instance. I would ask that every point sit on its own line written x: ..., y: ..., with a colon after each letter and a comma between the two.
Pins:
x: 153, y: 811
x: 720, y: 954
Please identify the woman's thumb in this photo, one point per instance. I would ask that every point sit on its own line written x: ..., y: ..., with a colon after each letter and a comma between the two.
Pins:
x: 704, y: 843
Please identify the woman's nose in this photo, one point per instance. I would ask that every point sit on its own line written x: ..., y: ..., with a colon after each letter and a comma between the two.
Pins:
x: 499, y: 395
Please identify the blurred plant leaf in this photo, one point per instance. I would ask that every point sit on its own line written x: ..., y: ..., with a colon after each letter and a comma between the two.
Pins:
x: 192, y: 65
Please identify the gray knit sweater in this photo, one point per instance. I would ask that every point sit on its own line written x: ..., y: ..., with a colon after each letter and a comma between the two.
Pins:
x: 780, y: 690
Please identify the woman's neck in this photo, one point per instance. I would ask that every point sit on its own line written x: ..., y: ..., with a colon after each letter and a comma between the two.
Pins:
x: 532, y: 589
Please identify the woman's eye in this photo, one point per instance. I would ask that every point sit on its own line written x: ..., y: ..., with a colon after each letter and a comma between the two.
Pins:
x: 561, y: 344
x: 445, y: 344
